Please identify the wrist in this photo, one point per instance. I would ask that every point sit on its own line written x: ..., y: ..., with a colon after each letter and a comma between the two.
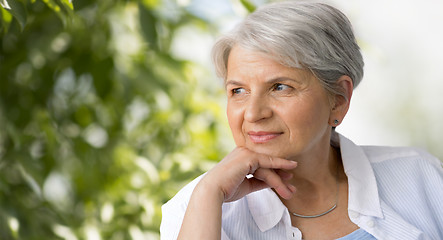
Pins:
x: 205, y: 211
x: 205, y: 189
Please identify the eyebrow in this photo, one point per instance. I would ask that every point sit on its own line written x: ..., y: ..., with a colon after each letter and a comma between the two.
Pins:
x: 270, y: 81
x: 233, y: 82
x: 283, y: 79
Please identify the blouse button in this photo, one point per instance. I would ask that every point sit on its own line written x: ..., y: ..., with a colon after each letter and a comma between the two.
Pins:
x: 295, y: 234
x: 370, y: 223
x: 354, y: 215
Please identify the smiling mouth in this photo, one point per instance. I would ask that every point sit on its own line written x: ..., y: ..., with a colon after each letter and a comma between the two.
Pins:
x: 263, y: 137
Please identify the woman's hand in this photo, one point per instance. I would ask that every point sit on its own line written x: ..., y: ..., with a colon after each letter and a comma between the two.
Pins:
x: 229, y: 175
x: 226, y: 182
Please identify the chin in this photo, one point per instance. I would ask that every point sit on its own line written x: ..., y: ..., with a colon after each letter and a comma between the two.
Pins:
x: 268, y: 150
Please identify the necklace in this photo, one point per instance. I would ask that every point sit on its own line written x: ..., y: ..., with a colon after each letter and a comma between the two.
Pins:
x: 327, y: 211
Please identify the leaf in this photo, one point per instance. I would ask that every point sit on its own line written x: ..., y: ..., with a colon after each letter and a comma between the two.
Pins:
x: 18, y: 10
x: 5, y: 4
x: 248, y: 5
x: 53, y: 5
x: 147, y: 23
x: 67, y: 4
x: 79, y: 4
x: 6, y: 19
x: 63, y: 9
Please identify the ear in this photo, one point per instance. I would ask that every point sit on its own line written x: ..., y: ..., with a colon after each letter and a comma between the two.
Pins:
x: 341, y: 102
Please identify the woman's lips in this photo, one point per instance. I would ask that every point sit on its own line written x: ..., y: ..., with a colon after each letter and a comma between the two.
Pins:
x: 263, y: 137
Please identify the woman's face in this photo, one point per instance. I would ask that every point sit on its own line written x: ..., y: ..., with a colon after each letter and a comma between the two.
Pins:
x: 276, y: 110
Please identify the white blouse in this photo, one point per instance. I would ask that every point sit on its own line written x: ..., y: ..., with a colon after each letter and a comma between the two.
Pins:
x: 394, y: 193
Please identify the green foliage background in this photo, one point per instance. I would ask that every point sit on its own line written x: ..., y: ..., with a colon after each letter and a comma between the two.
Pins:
x: 99, y: 124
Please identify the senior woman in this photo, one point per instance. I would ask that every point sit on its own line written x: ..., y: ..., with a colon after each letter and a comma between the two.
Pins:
x: 290, y: 69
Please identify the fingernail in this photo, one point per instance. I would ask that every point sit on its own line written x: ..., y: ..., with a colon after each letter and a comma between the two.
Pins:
x: 288, y: 176
x: 292, y: 188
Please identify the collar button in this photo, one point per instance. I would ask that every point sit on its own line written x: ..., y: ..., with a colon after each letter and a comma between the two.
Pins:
x: 354, y: 215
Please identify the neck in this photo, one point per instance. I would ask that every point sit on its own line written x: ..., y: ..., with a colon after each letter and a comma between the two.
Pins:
x: 316, y: 171
x: 316, y: 181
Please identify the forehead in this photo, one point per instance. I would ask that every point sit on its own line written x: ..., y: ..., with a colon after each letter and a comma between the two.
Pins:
x: 246, y: 63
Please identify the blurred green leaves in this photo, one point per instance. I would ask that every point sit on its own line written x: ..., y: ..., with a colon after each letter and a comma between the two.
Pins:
x: 248, y: 5
x: 16, y: 9
x: 99, y: 123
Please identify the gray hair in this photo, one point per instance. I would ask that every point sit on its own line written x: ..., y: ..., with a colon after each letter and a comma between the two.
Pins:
x: 298, y: 34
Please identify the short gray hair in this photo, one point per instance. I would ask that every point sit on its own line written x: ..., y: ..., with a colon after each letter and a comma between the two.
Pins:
x: 299, y: 34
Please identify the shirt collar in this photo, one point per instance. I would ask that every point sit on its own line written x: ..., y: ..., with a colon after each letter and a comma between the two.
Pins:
x: 267, y: 209
x: 363, y: 191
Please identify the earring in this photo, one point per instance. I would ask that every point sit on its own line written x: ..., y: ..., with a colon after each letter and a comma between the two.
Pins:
x: 336, y: 122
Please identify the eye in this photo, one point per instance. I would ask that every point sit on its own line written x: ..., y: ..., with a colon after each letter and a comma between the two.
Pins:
x: 280, y: 87
x: 237, y: 91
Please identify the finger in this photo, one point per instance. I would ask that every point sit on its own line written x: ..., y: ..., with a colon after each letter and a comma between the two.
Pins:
x: 265, y: 161
x: 249, y: 185
x: 256, y: 185
x: 283, y: 174
x: 273, y: 180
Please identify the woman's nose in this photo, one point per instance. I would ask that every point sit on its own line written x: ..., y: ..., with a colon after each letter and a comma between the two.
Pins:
x: 257, y: 108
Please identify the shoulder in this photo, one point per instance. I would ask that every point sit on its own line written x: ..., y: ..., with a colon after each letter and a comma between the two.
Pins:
x: 379, y: 154
x: 404, y: 165
x: 174, y: 210
x: 409, y: 181
x: 179, y: 202
x: 404, y: 159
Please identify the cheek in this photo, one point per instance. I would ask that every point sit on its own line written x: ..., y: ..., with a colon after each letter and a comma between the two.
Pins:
x: 303, y: 117
x: 235, y: 120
